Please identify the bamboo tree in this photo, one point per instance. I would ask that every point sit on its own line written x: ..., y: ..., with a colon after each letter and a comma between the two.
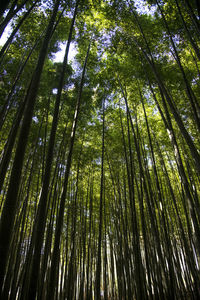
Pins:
x: 40, y: 225
x: 190, y: 94
x: 9, y: 40
x: 98, y: 266
x: 11, y: 13
x: 170, y: 101
x: 59, y: 224
x: 8, y: 214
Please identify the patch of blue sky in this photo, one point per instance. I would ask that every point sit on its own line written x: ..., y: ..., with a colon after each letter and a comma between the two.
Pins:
x: 59, y: 56
x: 143, y: 8
x: 5, y: 35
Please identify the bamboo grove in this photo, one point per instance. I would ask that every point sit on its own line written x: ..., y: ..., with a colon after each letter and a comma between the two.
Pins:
x: 99, y: 152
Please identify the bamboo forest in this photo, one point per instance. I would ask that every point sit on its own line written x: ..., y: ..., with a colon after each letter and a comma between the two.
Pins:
x: 99, y: 149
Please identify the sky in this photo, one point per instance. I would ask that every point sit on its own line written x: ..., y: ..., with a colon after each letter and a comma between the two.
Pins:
x: 59, y: 56
x: 4, y: 36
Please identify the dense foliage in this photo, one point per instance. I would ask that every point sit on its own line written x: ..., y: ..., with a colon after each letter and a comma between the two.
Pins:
x: 100, y: 161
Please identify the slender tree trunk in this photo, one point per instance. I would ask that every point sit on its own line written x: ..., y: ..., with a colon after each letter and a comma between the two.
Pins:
x: 40, y: 224
x: 190, y: 93
x: 173, y: 108
x: 11, y: 13
x: 55, y: 255
x: 98, y: 267
x: 9, y: 210
x: 9, y: 40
